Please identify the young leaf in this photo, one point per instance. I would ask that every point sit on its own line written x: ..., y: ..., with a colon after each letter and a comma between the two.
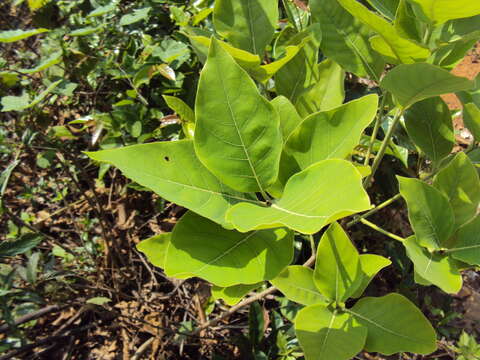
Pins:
x: 438, y: 270
x: 345, y: 39
x: 406, y: 24
x: 233, y: 294
x: 172, y: 170
x: 183, y: 110
x: 394, y: 325
x: 440, y: 11
x: 471, y: 118
x: 296, y: 283
x: 429, y: 212
x: 337, y: 269
x: 238, y: 141
x: 331, y: 134
x: 467, y: 245
x: 329, y: 335
x: 247, y: 24
x: 371, y: 265
x: 155, y: 248
x: 16, y: 35
x: 429, y: 124
x: 406, y: 51
x: 289, y: 118
x: 460, y: 183
x: 203, y: 248
x: 313, y: 198
x: 415, y: 82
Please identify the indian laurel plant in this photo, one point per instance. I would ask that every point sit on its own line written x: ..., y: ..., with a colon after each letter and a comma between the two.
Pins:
x: 257, y: 172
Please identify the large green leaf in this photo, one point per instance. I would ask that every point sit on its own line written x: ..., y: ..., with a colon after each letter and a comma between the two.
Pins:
x: 331, y: 134
x: 429, y: 211
x: 371, y: 264
x: 296, y: 283
x: 155, y: 248
x: 313, y: 198
x: 467, y: 245
x: 301, y: 73
x: 238, y: 141
x: 247, y: 24
x: 394, y: 325
x: 406, y: 51
x: 289, y: 118
x: 337, y: 269
x: 233, y: 294
x: 440, y: 11
x: 429, y: 124
x: 51, y: 60
x: 328, y: 335
x: 25, y: 243
x: 437, y: 269
x: 415, y: 82
x: 202, y: 248
x: 16, y: 35
x: 328, y: 92
x: 345, y: 39
x: 172, y: 170
x: 459, y: 182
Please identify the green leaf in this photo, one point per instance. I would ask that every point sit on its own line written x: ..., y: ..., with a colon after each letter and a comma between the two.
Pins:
x: 337, y: 269
x: 87, y: 30
x: 440, y: 11
x: 328, y: 335
x: 467, y: 245
x: 53, y: 59
x: 172, y: 170
x: 238, y: 141
x: 20, y: 246
x: 37, y: 4
x: 155, y: 248
x: 231, y: 257
x: 296, y: 283
x: 437, y: 269
x: 327, y: 93
x: 471, y: 118
x: 429, y: 124
x: 331, y: 134
x: 345, y: 39
x: 136, y: 16
x: 406, y: 51
x: 429, y: 211
x: 99, y: 300
x: 415, y: 82
x: 459, y: 182
x: 394, y: 325
x: 406, y: 23
x: 289, y: 118
x: 16, y: 35
x: 313, y: 198
x: 233, y: 294
x: 15, y: 103
x: 371, y: 265
x: 388, y: 8
x: 248, y: 24
x: 102, y: 10
x: 184, y: 111
x: 300, y: 74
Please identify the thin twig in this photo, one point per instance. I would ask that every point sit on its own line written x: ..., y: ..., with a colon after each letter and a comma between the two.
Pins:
x: 32, y: 316
x: 142, y: 349
x: 378, y: 122
x: 374, y: 210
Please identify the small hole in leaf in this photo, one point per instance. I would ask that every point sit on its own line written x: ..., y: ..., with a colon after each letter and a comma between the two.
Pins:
x: 167, y: 158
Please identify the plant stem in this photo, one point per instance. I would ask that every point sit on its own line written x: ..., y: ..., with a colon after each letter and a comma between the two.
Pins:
x: 383, y: 148
x: 374, y: 210
x: 383, y: 231
x: 378, y: 122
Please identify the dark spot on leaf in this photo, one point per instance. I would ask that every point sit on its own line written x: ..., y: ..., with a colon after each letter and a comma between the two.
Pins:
x: 167, y: 158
